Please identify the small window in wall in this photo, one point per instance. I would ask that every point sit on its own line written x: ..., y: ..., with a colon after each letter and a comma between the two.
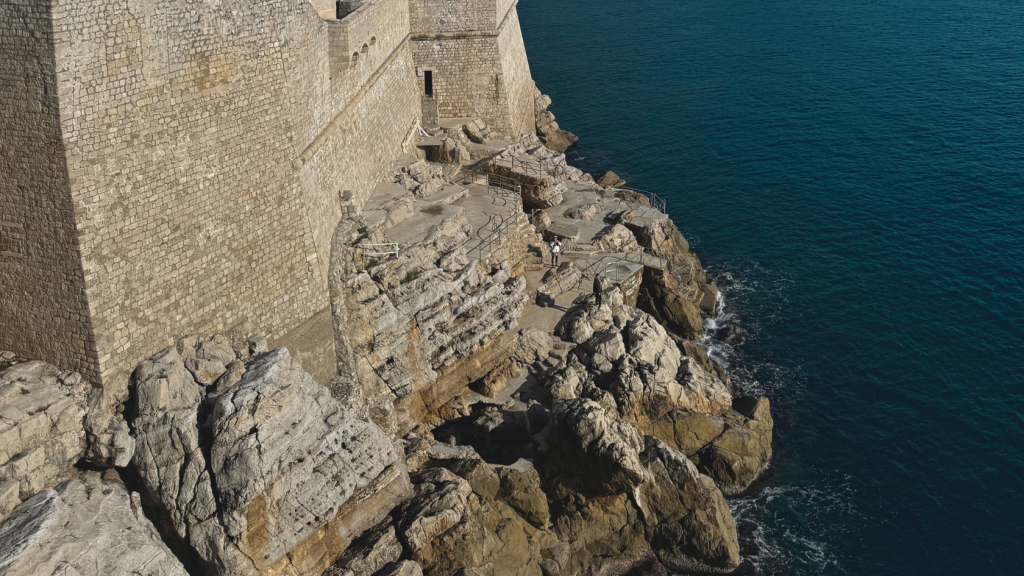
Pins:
x: 365, y: 49
x: 428, y: 83
x: 373, y: 40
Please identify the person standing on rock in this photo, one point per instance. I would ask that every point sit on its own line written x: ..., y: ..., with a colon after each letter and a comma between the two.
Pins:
x: 597, y: 288
x: 556, y: 249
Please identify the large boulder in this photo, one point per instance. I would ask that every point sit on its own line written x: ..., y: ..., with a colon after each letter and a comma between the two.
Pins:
x: 661, y: 298
x: 450, y: 529
x: 702, y: 389
x: 740, y: 454
x: 520, y: 489
x: 556, y: 281
x: 86, y: 525
x: 616, y: 238
x: 693, y: 528
x: 404, y: 326
x: 609, y: 179
x: 42, y: 433
x: 593, y: 450
x: 545, y: 194
x: 438, y: 504
x: 269, y: 475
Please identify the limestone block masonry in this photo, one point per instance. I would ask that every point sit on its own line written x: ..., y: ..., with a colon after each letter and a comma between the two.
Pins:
x: 178, y: 167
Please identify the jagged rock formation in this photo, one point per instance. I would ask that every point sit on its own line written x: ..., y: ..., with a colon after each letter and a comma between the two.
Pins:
x: 733, y: 448
x: 41, y: 428
x: 547, y: 129
x: 266, y: 475
x: 86, y: 525
x: 611, y: 180
x: 557, y: 281
x: 402, y: 322
x: 661, y: 298
x: 613, y: 453
x: 679, y: 513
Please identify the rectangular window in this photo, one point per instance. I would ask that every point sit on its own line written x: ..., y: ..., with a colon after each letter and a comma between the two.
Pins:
x: 428, y: 83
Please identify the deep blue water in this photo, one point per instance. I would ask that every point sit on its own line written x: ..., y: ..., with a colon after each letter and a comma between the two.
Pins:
x: 853, y: 173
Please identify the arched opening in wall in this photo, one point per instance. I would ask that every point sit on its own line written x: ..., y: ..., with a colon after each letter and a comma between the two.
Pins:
x: 355, y: 58
x: 364, y: 49
x: 373, y: 41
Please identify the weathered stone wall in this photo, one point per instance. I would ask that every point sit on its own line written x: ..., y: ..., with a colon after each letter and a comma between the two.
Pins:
x: 359, y: 147
x: 178, y: 167
x: 477, y: 72
x: 43, y: 309
x: 456, y: 16
x: 518, y: 80
x: 196, y: 138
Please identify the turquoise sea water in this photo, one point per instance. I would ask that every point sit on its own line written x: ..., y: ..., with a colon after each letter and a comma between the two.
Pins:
x: 853, y: 174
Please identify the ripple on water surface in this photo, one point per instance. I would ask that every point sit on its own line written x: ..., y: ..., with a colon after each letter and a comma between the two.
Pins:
x: 853, y: 175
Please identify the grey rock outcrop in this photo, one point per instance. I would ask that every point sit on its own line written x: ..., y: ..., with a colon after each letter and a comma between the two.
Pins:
x: 629, y: 354
x: 681, y: 515
x: 42, y: 432
x: 403, y: 568
x: 521, y: 489
x: 582, y: 212
x: 271, y: 473
x: 438, y: 504
x: 458, y: 523
x: 693, y: 528
x: 84, y: 526
x: 557, y: 281
x: 661, y: 298
x: 616, y: 238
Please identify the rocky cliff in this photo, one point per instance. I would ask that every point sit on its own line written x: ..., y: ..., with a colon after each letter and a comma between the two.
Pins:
x: 488, y: 415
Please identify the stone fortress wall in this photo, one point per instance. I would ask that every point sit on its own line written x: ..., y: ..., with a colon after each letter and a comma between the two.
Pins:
x: 479, y: 69
x: 42, y: 295
x: 178, y: 167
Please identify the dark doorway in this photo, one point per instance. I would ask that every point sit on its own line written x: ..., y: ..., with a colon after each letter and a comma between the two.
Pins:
x: 428, y: 83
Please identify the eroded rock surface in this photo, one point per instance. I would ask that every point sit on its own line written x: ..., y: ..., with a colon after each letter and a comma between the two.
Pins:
x: 42, y: 432
x: 404, y: 321
x: 693, y: 527
x: 86, y: 525
x: 269, y: 474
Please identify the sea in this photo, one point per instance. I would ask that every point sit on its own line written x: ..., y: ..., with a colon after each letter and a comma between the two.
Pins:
x: 851, y: 174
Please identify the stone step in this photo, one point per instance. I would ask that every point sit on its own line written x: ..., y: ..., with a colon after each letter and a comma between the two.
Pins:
x: 560, y: 354
x: 552, y: 362
x: 533, y: 267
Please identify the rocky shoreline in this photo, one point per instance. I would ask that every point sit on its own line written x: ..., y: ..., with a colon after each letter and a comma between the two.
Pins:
x: 489, y: 415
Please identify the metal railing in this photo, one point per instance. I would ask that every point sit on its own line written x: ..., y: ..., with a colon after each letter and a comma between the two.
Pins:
x: 503, y: 186
x: 617, y: 259
x: 374, y: 251
x: 656, y: 202
x: 491, y: 233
